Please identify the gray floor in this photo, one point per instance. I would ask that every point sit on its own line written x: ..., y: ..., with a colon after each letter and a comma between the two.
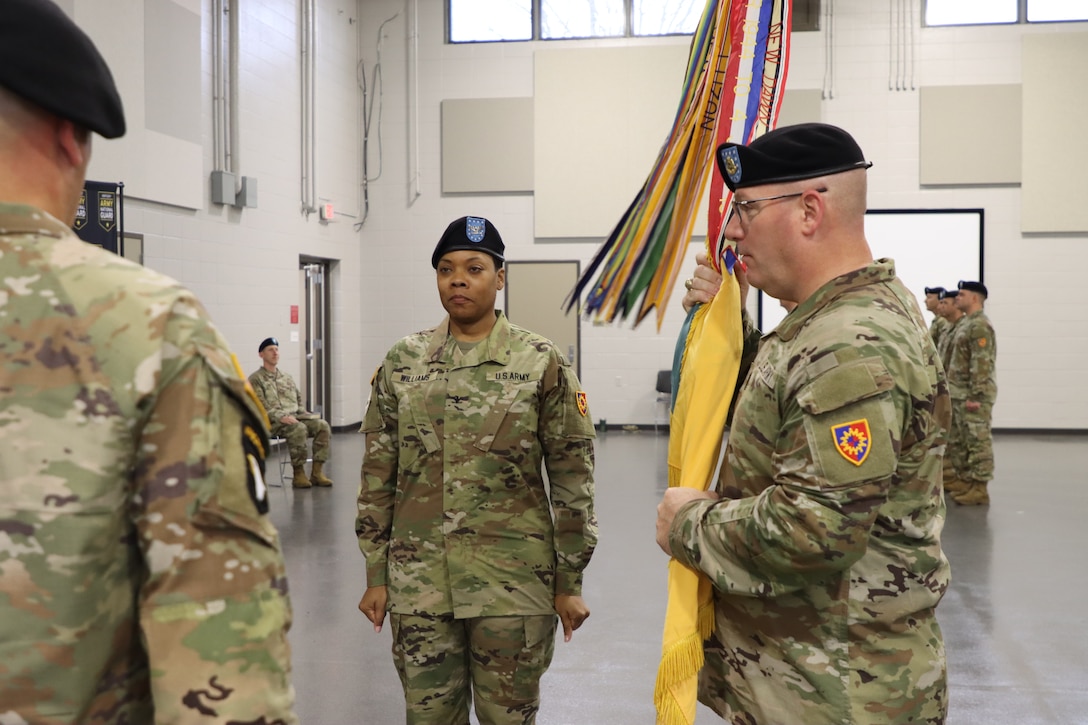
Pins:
x: 1015, y: 619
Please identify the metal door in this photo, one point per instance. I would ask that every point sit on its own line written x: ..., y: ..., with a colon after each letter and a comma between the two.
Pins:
x: 314, y: 320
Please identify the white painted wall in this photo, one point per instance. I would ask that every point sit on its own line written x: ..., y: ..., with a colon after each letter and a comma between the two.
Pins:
x: 243, y: 263
x: 1038, y: 309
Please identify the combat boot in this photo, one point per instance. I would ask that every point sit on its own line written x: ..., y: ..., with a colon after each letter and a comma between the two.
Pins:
x: 317, y: 475
x: 300, y: 480
x: 955, y: 486
x: 976, y: 495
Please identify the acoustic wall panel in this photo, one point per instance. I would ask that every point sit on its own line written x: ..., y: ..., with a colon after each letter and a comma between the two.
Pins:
x: 154, y: 52
x: 1055, y: 144
x: 803, y: 105
x: 487, y: 145
x: 969, y: 134
x: 600, y: 117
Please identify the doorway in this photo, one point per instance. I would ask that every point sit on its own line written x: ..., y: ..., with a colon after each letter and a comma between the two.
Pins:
x: 314, y: 326
x: 535, y: 292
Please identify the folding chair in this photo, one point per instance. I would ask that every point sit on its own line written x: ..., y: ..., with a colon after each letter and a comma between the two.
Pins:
x: 664, y: 397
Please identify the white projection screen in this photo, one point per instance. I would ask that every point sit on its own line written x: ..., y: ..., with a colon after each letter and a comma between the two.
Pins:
x: 931, y: 248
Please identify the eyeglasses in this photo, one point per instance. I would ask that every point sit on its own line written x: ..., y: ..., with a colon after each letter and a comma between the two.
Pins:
x: 740, y: 207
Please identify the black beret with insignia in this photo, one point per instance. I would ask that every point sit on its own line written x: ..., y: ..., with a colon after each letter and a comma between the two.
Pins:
x: 974, y: 287
x: 934, y: 290
x: 947, y: 294
x: 790, y: 153
x: 470, y: 233
x: 47, y: 60
x: 267, y: 342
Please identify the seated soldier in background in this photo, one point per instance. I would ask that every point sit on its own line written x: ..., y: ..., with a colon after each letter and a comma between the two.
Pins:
x: 281, y: 398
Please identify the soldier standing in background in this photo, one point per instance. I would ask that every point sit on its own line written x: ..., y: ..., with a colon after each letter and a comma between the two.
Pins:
x: 946, y: 308
x: 953, y: 451
x: 131, y: 450
x: 822, y: 542
x: 283, y: 401
x: 938, y: 326
x: 470, y: 551
x: 973, y: 385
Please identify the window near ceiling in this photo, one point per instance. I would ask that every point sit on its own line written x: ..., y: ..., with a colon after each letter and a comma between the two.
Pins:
x: 474, y: 21
x: 1049, y: 11
x: 980, y: 12
x: 582, y: 19
x: 490, y: 20
x: 666, y: 17
x: 971, y: 12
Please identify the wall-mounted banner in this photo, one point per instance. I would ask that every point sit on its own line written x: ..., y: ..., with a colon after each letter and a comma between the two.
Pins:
x: 99, y: 216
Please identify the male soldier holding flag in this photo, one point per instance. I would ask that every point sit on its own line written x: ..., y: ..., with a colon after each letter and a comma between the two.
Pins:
x: 822, y: 542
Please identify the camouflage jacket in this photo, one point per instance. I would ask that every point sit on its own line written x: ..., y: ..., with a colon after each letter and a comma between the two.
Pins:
x: 277, y: 392
x: 140, y: 580
x: 454, y: 513
x: 972, y: 354
x: 938, y: 329
x: 944, y: 345
x: 824, y: 551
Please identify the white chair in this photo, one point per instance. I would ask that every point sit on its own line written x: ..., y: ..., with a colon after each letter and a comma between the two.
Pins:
x: 278, y: 447
x: 663, y: 405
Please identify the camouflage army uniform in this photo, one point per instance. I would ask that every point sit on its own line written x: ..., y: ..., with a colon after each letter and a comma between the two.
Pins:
x: 944, y: 346
x: 825, y: 551
x: 938, y: 329
x: 140, y: 579
x: 972, y: 354
x: 280, y: 396
x: 455, y: 517
x: 953, y: 451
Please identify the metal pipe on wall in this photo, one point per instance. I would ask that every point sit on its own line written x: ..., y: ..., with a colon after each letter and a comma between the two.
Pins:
x: 308, y: 141
x: 414, y: 191
x: 218, y: 162
x: 233, y: 150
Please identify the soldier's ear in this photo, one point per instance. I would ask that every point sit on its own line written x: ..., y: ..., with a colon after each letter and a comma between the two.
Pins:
x: 501, y: 278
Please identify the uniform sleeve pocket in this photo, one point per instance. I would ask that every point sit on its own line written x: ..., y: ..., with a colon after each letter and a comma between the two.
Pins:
x: 849, y: 423
x: 235, y: 495
x: 849, y: 383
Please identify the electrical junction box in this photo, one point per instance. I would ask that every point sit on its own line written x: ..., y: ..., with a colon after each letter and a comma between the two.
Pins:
x: 222, y: 187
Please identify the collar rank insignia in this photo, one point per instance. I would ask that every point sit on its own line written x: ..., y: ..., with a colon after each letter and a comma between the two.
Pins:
x: 583, y: 403
x: 852, y: 440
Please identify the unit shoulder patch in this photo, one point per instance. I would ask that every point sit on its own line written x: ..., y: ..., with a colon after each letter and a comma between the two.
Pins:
x: 853, y: 440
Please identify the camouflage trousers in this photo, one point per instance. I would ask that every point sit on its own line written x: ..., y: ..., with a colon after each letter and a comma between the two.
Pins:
x: 970, y: 453
x: 296, y: 435
x: 446, y: 663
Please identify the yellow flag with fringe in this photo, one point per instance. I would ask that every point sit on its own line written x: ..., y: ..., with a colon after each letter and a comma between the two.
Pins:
x: 708, y: 375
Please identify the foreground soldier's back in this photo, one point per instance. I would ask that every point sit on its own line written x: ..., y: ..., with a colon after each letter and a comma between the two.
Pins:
x: 140, y: 578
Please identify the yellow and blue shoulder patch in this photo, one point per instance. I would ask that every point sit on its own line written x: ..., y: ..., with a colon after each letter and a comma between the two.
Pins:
x: 853, y: 440
x: 583, y: 402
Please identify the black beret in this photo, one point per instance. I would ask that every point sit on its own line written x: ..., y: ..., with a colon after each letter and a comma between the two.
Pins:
x: 947, y: 294
x: 934, y: 290
x: 974, y: 287
x: 268, y: 341
x: 790, y: 153
x: 47, y: 60
x: 470, y: 233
